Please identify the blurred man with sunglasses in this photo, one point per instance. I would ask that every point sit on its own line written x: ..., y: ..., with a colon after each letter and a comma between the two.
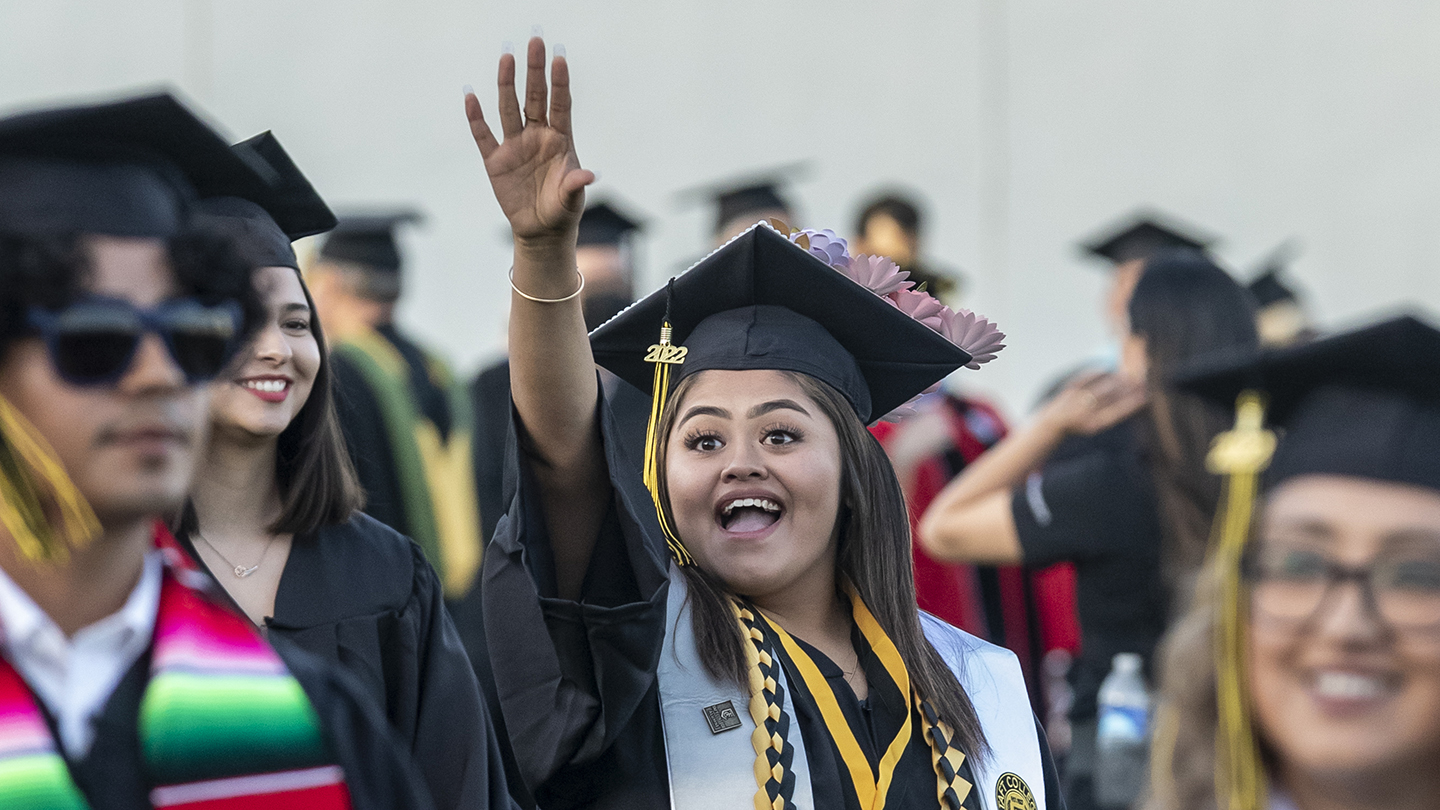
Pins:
x: 123, y: 681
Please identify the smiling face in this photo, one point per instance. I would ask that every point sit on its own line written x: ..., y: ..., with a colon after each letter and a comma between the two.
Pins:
x: 271, y: 378
x: 130, y: 448
x: 753, y: 471
x: 1344, y: 693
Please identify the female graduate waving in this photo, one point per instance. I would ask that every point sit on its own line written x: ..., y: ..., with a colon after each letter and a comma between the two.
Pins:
x: 730, y: 620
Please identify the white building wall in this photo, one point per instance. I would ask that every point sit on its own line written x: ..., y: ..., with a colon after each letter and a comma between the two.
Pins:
x: 1026, y: 125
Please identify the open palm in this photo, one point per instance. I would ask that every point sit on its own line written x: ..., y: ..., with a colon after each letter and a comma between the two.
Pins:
x: 535, y: 172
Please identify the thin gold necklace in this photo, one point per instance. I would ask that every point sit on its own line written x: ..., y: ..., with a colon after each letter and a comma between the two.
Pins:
x: 239, y: 571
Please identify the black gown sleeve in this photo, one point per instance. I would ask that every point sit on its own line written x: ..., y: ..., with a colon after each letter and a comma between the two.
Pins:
x: 378, y: 773
x: 571, y: 676
x: 454, y: 744
x: 368, y: 440
x: 1083, y: 507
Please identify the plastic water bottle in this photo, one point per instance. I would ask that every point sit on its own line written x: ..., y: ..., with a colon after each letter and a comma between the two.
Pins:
x: 1122, y: 742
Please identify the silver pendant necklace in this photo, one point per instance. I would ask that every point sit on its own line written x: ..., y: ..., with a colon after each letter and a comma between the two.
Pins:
x: 240, y: 571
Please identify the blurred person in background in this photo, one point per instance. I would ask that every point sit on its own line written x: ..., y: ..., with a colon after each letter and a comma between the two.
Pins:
x: 740, y: 204
x: 891, y: 225
x: 274, y: 512
x: 126, y: 678
x: 1133, y: 512
x: 1306, y: 673
x: 1029, y: 614
x: 406, y: 420
x: 1124, y: 249
x: 1281, y: 315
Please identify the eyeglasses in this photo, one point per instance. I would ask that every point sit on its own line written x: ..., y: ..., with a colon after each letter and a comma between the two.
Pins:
x: 1290, y: 583
x: 93, y: 341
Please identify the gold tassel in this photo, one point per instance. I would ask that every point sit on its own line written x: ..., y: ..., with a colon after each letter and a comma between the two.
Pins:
x: 663, y: 355
x: 1240, y: 455
x: 31, y: 475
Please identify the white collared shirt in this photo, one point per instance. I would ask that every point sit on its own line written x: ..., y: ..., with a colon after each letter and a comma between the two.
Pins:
x: 75, y: 676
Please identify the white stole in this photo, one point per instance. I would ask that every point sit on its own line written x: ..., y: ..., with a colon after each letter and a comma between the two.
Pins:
x: 716, y: 771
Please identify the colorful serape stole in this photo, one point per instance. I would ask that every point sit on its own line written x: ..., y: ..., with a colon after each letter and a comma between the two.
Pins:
x: 223, y: 723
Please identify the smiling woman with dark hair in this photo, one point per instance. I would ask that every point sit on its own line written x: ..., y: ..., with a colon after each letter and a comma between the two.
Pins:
x: 274, y: 516
x: 728, y: 620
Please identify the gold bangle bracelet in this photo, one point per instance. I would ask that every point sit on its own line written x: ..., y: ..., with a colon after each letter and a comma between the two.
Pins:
x: 547, y: 300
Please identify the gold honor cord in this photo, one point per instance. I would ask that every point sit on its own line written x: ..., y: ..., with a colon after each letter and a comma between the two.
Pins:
x: 1240, y: 455
x: 871, y: 789
x: 30, y: 473
x: 663, y: 355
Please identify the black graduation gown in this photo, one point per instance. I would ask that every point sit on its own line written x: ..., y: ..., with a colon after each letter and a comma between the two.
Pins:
x: 577, y: 680
x: 360, y: 595
x: 366, y: 434
x: 495, y: 462
x: 379, y: 775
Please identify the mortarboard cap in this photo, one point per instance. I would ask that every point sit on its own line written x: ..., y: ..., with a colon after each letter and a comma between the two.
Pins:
x: 1267, y: 289
x: 124, y: 168
x: 1365, y: 403
x: 748, y: 201
x: 1143, y: 235
x: 762, y: 302
x: 264, y: 225
x: 368, y: 239
x: 603, y: 224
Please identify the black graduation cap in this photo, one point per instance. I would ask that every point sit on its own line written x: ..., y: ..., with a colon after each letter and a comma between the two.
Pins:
x: 265, y: 224
x: 125, y: 168
x: 1143, y: 235
x: 751, y: 200
x: 762, y: 302
x: 604, y: 224
x: 1365, y: 403
x: 1267, y: 289
x: 368, y: 239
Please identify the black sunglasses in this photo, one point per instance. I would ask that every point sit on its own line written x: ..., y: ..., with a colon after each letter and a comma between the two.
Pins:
x: 93, y: 341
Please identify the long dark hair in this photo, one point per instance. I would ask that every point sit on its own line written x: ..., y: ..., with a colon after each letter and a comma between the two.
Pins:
x: 1186, y: 308
x: 317, y: 480
x: 874, y: 554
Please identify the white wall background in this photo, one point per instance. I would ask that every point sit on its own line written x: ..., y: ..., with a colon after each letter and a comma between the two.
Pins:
x: 1026, y: 124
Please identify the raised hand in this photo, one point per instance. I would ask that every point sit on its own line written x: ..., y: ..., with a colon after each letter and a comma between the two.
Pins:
x: 1095, y: 402
x: 535, y: 172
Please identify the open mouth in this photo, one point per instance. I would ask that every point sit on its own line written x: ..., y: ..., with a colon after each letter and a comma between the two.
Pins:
x: 748, y: 515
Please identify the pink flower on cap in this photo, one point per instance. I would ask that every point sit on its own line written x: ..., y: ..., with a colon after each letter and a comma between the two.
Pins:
x: 976, y: 335
x: 878, y: 275
x: 923, y: 307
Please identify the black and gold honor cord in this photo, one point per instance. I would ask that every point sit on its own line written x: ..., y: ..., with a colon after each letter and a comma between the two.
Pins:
x: 32, y: 478
x: 774, y: 756
x: 872, y: 788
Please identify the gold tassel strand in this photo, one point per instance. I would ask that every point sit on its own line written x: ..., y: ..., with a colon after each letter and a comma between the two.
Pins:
x: 29, y: 472
x: 664, y: 355
x: 1240, y: 455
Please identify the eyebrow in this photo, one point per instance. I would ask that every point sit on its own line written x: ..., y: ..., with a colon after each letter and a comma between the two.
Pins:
x: 775, y: 405
x: 288, y: 308
x: 757, y: 411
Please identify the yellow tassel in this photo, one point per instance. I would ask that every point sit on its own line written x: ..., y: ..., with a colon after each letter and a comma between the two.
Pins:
x: 31, y: 476
x: 663, y: 355
x: 1240, y: 455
